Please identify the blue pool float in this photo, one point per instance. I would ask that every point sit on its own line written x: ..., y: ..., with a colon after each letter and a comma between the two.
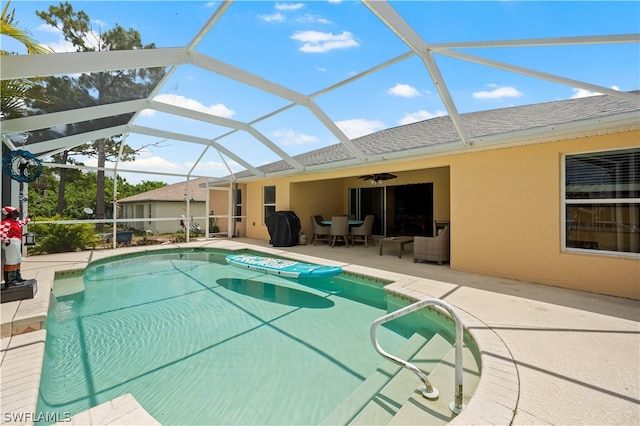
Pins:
x: 282, y: 267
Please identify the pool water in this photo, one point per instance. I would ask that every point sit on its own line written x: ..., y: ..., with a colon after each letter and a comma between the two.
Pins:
x: 197, y: 341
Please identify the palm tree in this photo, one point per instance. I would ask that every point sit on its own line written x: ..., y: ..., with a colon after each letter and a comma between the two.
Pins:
x: 13, y: 92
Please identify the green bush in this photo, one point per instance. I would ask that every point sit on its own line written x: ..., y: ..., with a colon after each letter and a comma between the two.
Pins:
x: 62, y: 238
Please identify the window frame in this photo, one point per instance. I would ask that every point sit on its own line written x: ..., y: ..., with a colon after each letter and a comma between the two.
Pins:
x: 268, y: 205
x: 237, y: 201
x: 565, y: 202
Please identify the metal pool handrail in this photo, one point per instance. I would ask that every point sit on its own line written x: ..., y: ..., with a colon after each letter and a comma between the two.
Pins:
x: 429, y: 391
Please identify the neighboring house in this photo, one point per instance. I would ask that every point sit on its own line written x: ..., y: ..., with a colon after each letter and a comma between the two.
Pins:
x: 159, y: 210
x: 547, y: 193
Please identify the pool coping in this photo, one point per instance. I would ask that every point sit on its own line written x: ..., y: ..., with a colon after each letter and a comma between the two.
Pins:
x: 494, y: 401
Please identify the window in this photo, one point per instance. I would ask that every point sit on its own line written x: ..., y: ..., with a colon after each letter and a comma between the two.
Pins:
x: 269, y: 201
x: 238, y: 204
x: 602, y: 202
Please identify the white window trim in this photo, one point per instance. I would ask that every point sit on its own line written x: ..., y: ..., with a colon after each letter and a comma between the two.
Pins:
x: 265, y: 204
x: 563, y: 210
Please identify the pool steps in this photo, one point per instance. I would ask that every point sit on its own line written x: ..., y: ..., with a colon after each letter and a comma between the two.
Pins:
x: 382, y: 395
x: 123, y: 410
x: 442, y: 377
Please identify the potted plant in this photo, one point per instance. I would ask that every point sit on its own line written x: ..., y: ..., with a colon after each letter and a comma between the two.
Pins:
x: 213, y: 224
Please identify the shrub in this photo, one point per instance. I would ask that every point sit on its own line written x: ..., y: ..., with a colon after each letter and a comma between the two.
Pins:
x: 62, y: 238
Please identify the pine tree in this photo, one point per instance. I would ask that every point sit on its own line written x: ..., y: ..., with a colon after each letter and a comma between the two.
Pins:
x: 99, y: 88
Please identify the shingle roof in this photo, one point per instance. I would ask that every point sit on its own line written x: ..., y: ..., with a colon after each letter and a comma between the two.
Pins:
x: 440, y: 131
x: 174, y: 192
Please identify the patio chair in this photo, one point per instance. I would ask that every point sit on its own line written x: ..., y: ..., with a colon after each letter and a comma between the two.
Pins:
x: 195, y: 229
x: 434, y: 249
x: 339, y: 228
x: 362, y: 233
x: 320, y: 232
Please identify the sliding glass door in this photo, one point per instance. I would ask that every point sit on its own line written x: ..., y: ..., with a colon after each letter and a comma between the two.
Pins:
x: 364, y: 201
x: 399, y: 210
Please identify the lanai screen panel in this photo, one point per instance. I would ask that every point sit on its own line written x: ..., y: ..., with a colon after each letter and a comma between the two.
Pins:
x: 320, y: 71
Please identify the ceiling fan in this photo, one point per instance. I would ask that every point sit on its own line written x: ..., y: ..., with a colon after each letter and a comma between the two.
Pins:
x: 376, y: 178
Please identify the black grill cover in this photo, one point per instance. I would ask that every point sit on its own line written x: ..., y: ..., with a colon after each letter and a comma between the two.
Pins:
x: 284, y: 228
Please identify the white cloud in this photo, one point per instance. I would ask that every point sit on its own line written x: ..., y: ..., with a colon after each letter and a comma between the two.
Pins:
x: 46, y: 28
x: 160, y: 164
x: 177, y: 100
x: 319, y: 42
x: 584, y: 93
x: 313, y: 19
x: 420, y: 116
x: 212, y: 167
x: 359, y: 127
x: 290, y: 137
x: 276, y: 17
x: 289, y: 6
x: 99, y: 23
x: 60, y: 45
x: 403, y: 90
x: 500, y: 92
x: 61, y: 129
x: 154, y: 163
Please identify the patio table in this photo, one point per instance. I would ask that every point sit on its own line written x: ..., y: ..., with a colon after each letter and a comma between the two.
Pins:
x: 398, y: 241
x: 352, y: 222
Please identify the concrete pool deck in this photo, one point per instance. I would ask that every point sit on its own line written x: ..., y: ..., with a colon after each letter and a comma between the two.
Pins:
x: 551, y: 355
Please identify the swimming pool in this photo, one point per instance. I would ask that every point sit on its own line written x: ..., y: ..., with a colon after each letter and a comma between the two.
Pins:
x: 197, y: 341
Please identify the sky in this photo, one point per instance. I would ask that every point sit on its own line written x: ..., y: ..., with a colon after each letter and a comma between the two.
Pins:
x: 309, y: 46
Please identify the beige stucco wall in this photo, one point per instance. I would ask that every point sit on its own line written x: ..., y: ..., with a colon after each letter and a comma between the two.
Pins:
x: 163, y: 209
x: 506, y: 219
x: 504, y: 206
x: 327, y: 198
x: 303, y: 194
x: 219, y: 205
